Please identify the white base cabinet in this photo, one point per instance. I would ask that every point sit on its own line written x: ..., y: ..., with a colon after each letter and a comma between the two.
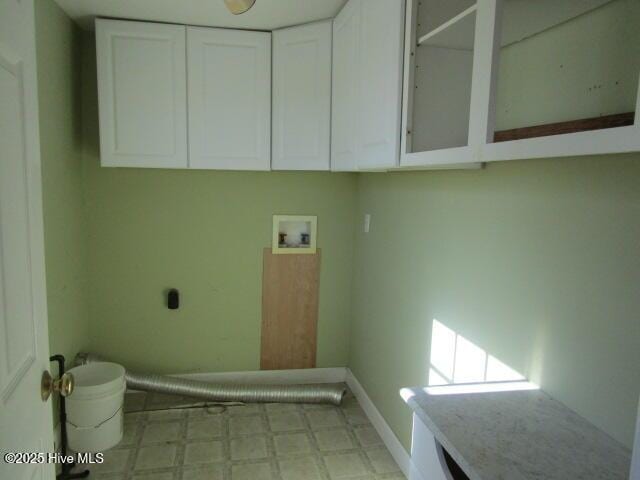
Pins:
x: 427, y: 458
x: 302, y: 97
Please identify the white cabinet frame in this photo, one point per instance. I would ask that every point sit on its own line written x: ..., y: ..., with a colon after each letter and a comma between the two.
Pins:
x: 481, y: 147
x: 468, y: 155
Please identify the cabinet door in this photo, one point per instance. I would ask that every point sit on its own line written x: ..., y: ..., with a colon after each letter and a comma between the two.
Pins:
x: 381, y: 49
x: 345, y: 88
x: 142, y: 94
x: 302, y: 97
x: 229, y: 75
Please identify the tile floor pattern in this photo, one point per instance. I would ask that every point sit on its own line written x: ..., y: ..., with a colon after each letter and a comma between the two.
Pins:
x: 250, y: 442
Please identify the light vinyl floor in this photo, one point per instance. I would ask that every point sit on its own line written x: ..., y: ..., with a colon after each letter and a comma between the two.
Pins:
x: 250, y: 442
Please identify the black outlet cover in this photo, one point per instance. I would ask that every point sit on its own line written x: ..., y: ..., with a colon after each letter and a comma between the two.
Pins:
x: 173, y: 299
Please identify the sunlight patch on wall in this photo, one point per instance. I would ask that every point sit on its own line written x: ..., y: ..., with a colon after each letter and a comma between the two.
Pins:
x: 456, y: 360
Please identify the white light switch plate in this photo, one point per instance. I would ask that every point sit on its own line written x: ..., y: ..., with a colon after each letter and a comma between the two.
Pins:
x: 367, y: 222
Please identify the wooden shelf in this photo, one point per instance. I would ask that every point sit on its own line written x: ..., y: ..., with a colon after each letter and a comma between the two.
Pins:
x: 458, y: 19
x: 573, y: 126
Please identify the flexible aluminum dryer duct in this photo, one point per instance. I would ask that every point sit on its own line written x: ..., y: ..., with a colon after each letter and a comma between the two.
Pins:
x: 325, y: 393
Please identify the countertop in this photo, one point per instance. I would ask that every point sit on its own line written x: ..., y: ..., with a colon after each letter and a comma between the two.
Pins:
x: 518, y: 435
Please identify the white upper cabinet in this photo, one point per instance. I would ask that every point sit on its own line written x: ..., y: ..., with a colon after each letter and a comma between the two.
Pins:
x: 142, y: 94
x: 229, y: 87
x: 368, y: 38
x: 387, y: 84
x: 381, y: 52
x: 345, y: 88
x: 302, y: 97
x: 489, y: 80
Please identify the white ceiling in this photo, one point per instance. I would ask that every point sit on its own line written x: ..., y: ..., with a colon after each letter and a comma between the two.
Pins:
x: 265, y: 15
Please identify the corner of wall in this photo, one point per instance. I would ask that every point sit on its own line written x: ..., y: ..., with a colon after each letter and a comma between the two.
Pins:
x: 58, y: 60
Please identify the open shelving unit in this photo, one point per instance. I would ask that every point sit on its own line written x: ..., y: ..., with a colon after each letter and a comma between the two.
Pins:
x: 581, y: 77
x: 438, y: 78
x: 491, y: 80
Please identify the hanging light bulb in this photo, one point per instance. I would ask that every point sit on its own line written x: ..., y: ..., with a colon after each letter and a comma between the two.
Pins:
x: 239, y: 6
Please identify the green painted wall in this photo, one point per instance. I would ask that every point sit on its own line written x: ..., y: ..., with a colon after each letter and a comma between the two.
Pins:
x: 202, y: 232
x: 65, y: 227
x: 537, y: 262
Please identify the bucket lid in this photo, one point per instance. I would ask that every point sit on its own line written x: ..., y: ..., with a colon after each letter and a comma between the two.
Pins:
x: 99, y: 378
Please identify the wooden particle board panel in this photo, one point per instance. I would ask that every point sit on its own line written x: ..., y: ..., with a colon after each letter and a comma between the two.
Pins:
x: 290, y: 291
x: 573, y: 126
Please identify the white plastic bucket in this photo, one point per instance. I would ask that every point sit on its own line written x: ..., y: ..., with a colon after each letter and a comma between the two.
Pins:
x: 94, y: 409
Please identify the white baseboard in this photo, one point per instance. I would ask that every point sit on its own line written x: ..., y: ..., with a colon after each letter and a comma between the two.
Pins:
x: 389, y: 438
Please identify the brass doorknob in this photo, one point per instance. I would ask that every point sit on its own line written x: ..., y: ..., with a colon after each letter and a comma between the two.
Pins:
x: 63, y: 385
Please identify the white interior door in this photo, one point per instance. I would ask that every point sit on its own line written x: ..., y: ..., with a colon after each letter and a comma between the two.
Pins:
x: 302, y: 97
x: 229, y: 90
x: 25, y: 420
